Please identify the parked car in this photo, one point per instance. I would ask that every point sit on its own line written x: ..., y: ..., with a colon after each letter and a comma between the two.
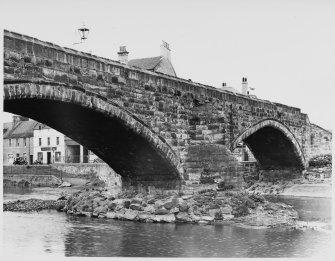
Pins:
x: 20, y: 161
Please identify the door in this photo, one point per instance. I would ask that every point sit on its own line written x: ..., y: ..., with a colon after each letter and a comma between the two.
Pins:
x: 49, y: 158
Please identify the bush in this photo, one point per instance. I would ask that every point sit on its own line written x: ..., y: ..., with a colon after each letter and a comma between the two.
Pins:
x: 222, y: 186
x: 256, y: 197
x: 241, y: 210
x: 206, y: 180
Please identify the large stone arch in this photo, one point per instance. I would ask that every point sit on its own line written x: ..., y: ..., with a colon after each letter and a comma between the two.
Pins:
x: 121, y: 139
x: 275, y: 141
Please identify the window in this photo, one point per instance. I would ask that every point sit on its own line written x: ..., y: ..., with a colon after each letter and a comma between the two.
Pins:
x: 57, y: 141
x: 17, y: 143
x: 40, y: 156
x: 312, y: 139
x: 116, y: 70
x: 40, y: 142
x: 48, y: 141
x: 10, y: 143
x: 10, y: 158
x: 25, y: 156
x: 133, y: 75
x: 57, y: 156
x: 25, y: 142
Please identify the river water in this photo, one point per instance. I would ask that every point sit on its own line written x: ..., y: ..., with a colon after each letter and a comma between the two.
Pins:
x: 53, y: 233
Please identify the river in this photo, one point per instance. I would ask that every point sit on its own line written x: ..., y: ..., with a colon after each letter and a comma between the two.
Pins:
x: 54, y: 233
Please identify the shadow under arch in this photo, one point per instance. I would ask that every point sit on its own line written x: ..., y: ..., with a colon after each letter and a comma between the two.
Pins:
x: 273, y: 145
x: 119, y: 138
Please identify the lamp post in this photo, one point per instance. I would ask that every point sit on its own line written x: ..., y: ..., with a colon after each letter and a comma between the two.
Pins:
x: 83, y: 33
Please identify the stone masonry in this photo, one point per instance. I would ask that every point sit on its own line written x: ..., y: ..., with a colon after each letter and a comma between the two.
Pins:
x: 149, y: 127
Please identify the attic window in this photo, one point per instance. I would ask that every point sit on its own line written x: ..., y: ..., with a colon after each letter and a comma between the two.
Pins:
x: 133, y: 75
x: 116, y: 70
x: 39, y: 127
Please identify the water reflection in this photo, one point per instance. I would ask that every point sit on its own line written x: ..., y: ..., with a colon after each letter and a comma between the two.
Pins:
x: 309, y: 209
x: 130, y: 239
x: 51, y: 232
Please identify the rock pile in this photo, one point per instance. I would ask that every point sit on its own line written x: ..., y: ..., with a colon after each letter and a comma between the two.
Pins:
x: 207, y: 206
x: 33, y: 205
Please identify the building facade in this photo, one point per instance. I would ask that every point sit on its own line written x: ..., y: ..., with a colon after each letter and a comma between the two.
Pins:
x: 18, y: 140
x: 38, y: 143
x: 49, y: 146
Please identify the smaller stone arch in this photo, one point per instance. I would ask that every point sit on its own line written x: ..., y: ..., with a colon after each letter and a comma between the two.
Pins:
x: 277, y: 125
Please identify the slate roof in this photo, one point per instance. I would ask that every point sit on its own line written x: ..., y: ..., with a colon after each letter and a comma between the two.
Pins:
x: 7, y: 127
x: 146, y: 63
x: 22, y: 129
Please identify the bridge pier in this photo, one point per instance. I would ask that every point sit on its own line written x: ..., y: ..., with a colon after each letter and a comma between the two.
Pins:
x: 212, y: 163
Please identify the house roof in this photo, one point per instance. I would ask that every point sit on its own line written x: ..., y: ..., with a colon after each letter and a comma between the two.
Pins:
x: 146, y: 63
x: 22, y: 129
x: 7, y: 127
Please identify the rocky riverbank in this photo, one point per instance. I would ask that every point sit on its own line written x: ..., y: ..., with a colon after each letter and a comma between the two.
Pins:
x: 33, y: 205
x: 206, y: 206
x: 316, y: 182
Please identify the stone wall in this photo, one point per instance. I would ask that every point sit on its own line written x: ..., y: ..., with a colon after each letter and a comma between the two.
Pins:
x: 74, y: 170
x: 192, y: 118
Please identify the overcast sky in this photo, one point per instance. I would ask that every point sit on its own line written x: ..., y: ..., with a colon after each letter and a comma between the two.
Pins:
x: 286, y: 49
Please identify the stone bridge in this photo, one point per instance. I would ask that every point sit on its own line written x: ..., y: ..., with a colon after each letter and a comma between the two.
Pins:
x: 152, y: 128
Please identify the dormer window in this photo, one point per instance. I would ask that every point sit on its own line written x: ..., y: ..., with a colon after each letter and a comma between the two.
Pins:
x: 133, y: 75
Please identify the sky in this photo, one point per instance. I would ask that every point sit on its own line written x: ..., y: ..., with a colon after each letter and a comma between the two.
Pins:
x: 285, y: 48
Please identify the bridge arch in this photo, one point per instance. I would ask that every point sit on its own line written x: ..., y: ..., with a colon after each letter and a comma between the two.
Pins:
x: 121, y: 139
x: 273, y: 145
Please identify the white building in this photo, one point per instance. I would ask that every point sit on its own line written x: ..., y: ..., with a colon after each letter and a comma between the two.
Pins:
x: 49, y: 145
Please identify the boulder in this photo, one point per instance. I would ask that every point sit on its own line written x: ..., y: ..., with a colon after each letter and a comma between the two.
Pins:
x: 65, y: 184
x: 111, y: 215
x: 112, y: 206
x: 85, y: 213
x: 134, y: 206
x: 183, y: 207
x: 226, y: 210
x: 213, y: 212
x: 151, y: 201
x: 185, y: 197
x: 168, y: 205
x: 174, y: 210
x: 145, y: 217
x: 137, y: 201
x: 161, y: 211
x: 183, y: 217
x: 207, y: 219
x: 149, y: 209
x: 169, y: 218
x: 227, y: 216
x: 129, y: 214
x: 159, y: 204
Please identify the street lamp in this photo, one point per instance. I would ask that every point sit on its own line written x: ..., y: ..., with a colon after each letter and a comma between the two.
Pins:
x: 83, y: 33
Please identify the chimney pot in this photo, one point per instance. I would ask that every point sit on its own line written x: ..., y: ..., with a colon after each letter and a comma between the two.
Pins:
x: 123, y: 55
x: 165, y: 51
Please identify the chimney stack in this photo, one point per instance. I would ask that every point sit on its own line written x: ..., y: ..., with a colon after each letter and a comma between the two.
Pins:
x: 123, y: 55
x: 245, y: 88
x: 165, y: 51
